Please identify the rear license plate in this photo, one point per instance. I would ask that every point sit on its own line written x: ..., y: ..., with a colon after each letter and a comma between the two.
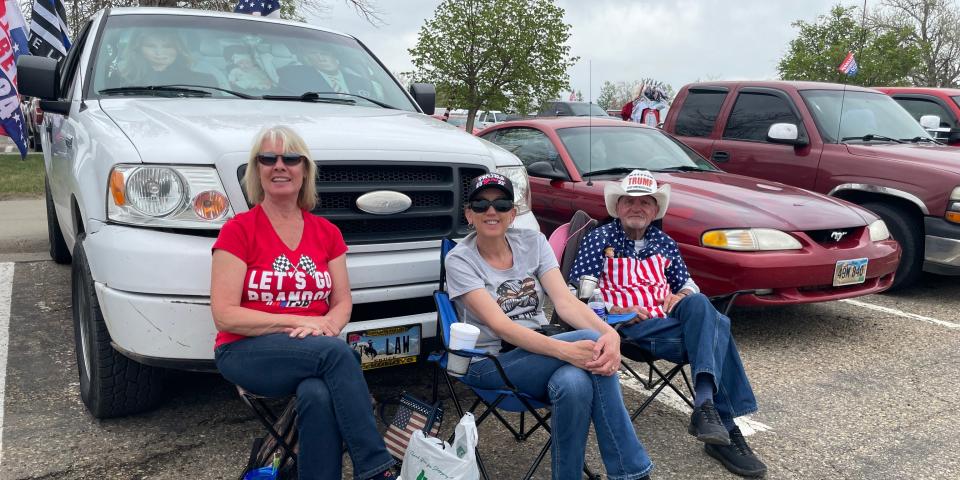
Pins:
x: 850, y: 272
x: 386, y: 347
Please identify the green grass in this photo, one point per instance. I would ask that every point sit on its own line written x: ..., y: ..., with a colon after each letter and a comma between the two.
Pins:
x: 21, y: 178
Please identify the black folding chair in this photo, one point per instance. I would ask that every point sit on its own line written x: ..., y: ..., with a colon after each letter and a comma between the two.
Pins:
x: 495, y: 402
x: 281, y: 438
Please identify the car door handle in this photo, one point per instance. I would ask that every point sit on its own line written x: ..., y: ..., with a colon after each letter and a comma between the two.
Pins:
x: 720, y: 157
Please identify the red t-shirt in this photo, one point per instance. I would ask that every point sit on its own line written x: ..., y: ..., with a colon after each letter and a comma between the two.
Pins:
x: 280, y: 280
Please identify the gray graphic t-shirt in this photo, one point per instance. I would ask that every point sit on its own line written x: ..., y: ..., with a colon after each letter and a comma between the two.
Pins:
x: 517, y: 290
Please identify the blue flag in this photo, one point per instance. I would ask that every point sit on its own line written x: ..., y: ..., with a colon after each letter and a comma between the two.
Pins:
x: 11, y: 115
x: 49, y: 35
x: 263, y: 8
x: 849, y: 65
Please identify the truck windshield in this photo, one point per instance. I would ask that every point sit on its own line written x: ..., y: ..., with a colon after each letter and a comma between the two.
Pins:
x: 583, y: 109
x: 860, y: 116
x: 237, y: 58
x: 613, y: 148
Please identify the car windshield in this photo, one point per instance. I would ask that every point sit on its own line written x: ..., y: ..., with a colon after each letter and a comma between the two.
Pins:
x: 457, y: 121
x: 606, y: 148
x: 582, y: 109
x: 237, y: 57
x: 860, y: 116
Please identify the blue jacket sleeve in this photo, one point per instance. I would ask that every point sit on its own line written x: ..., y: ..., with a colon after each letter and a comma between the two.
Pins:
x: 589, y: 260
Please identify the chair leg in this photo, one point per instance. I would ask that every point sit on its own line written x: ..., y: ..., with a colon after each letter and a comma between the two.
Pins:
x: 536, y: 463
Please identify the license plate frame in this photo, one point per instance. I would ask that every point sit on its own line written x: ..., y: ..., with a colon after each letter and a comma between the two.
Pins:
x: 387, y: 346
x: 850, y: 272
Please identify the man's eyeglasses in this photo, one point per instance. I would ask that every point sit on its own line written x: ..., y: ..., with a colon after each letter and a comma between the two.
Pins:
x: 501, y: 205
x: 269, y: 159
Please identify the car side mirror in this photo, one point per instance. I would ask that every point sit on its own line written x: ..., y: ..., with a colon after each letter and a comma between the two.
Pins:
x: 785, y: 133
x: 37, y: 77
x: 425, y: 94
x: 545, y: 169
x: 930, y: 122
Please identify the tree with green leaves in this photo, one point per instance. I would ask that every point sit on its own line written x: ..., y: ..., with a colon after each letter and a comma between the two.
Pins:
x: 934, y: 27
x: 491, y: 54
x: 885, y: 56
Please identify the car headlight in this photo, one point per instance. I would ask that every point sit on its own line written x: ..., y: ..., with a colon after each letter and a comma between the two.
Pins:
x: 167, y: 196
x: 521, y: 186
x: 953, y: 206
x: 750, y: 240
x: 878, y: 231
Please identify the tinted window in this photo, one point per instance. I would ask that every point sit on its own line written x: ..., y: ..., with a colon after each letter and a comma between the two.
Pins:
x: 918, y: 107
x: 630, y: 147
x: 753, y: 114
x: 957, y: 100
x: 699, y: 112
x: 529, y: 145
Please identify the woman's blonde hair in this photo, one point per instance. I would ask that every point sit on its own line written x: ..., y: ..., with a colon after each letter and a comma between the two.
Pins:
x: 292, y: 143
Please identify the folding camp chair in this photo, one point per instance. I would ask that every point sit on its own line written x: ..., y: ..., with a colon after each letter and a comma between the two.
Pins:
x: 281, y: 438
x: 565, y: 241
x: 508, y: 399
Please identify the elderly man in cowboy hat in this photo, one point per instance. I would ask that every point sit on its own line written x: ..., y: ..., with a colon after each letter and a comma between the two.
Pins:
x: 640, y: 270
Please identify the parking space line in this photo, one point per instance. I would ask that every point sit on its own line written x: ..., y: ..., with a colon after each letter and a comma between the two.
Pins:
x: 6, y: 292
x: 900, y: 313
x: 748, y: 426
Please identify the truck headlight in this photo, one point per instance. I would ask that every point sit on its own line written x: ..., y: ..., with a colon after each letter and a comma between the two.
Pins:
x: 521, y: 186
x: 878, y: 231
x: 750, y: 240
x: 167, y: 196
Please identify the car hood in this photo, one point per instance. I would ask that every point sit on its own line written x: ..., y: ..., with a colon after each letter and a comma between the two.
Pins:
x: 712, y: 200
x: 938, y: 156
x: 177, y: 130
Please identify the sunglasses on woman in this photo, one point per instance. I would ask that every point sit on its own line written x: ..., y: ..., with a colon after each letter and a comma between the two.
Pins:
x: 501, y: 205
x: 269, y: 159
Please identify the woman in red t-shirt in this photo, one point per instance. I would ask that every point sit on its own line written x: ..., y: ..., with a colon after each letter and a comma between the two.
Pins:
x: 280, y: 296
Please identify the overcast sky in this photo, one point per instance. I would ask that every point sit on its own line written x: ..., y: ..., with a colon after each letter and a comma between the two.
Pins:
x: 676, y: 41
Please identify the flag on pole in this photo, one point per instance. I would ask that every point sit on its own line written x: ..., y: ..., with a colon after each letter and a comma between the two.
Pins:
x: 11, y: 115
x: 49, y: 35
x: 849, y: 65
x: 262, y: 8
x: 18, y: 29
x: 573, y: 96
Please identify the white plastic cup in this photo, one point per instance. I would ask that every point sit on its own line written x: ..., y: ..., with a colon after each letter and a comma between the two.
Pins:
x: 462, y: 336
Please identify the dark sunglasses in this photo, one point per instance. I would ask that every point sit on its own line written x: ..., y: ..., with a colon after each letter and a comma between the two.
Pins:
x: 501, y: 205
x: 269, y: 159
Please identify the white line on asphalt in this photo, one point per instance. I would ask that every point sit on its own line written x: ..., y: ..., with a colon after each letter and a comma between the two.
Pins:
x: 900, y: 313
x: 668, y: 397
x: 6, y: 290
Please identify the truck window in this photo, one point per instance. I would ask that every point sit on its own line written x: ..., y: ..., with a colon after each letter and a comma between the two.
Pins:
x: 918, y: 107
x: 753, y: 114
x: 529, y: 145
x: 850, y: 115
x: 71, y: 63
x: 699, y: 112
x: 957, y: 100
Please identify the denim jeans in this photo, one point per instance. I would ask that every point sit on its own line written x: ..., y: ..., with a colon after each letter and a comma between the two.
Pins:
x: 576, y: 397
x: 697, y: 333
x: 333, y: 403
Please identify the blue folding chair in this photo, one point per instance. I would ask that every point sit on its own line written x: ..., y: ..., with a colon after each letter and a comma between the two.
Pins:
x: 508, y: 399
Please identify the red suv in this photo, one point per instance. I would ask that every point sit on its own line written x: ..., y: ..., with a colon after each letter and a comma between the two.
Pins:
x: 942, y: 103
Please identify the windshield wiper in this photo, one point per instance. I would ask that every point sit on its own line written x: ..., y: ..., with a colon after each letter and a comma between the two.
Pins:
x: 231, y: 92
x: 154, y: 88
x: 683, y: 168
x: 315, y: 97
x: 607, y: 171
x: 871, y: 137
x: 921, y: 139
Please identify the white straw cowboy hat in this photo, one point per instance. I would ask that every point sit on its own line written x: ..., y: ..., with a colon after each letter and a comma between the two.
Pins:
x: 638, y: 183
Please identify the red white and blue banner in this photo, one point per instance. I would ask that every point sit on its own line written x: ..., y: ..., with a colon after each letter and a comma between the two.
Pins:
x: 49, y: 34
x: 261, y: 8
x: 849, y: 65
x: 11, y: 47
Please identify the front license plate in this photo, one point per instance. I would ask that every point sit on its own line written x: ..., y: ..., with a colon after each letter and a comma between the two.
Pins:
x: 850, y: 272
x: 386, y: 347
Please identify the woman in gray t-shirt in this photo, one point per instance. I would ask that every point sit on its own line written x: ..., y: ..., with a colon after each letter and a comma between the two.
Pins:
x: 497, y: 277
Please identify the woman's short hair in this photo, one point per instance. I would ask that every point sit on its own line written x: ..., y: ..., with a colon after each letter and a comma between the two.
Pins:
x: 292, y: 143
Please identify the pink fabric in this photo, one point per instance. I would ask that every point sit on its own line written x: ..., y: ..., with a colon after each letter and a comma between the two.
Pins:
x: 558, y: 240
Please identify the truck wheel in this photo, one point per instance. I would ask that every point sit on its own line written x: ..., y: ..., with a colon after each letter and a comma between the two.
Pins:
x: 905, y: 229
x: 37, y: 144
x: 111, y: 385
x: 58, y: 247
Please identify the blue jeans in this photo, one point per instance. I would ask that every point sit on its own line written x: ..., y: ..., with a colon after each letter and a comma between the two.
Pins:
x: 576, y: 396
x: 333, y: 403
x: 697, y: 333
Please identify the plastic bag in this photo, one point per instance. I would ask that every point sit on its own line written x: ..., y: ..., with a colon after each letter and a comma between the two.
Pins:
x: 429, y: 457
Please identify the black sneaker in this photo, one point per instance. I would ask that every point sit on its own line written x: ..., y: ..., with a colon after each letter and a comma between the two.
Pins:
x: 737, y: 457
x: 705, y: 424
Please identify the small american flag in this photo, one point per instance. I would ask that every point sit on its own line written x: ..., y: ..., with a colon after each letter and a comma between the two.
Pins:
x: 264, y: 8
x: 849, y: 66
x: 412, y: 415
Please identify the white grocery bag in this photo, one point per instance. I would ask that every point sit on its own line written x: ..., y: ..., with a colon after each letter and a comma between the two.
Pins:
x: 429, y: 458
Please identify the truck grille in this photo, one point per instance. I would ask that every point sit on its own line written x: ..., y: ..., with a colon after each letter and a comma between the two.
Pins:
x: 438, y: 193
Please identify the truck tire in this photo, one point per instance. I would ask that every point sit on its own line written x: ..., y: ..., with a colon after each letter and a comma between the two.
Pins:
x: 111, y: 385
x: 907, y: 230
x: 58, y: 246
x: 37, y: 144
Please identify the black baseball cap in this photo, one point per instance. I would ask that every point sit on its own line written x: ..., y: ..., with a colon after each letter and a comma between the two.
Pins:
x: 491, y: 180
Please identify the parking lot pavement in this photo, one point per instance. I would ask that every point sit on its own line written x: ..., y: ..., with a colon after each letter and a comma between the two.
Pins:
x: 23, y: 230
x: 845, y: 391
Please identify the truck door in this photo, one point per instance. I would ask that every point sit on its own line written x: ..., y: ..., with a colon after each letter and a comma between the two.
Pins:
x: 696, y: 120
x: 747, y: 150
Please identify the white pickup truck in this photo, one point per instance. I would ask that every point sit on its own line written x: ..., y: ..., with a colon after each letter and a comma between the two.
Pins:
x: 143, y: 167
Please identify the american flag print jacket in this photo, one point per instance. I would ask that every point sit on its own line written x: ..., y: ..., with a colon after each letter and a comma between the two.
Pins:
x: 630, y: 277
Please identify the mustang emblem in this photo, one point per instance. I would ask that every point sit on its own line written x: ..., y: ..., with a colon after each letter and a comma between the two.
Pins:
x: 837, y: 235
